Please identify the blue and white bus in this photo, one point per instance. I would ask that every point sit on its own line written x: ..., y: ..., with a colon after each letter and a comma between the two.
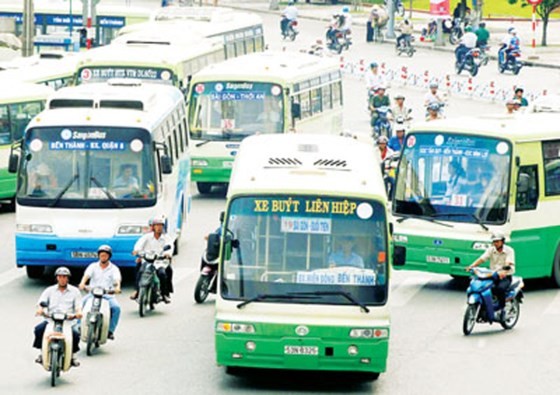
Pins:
x: 95, y: 166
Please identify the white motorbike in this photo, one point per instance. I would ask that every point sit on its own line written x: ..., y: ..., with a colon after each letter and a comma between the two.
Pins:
x: 95, y: 324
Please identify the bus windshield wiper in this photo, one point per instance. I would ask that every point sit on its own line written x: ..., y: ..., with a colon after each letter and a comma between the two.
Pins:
x: 346, y: 295
x: 106, y: 192
x: 428, y: 218
x: 260, y: 297
x: 65, y: 189
x: 474, y: 216
x: 204, y: 142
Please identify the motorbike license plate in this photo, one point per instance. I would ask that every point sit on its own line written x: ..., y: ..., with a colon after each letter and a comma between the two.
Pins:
x: 301, y: 350
x: 437, y: 259
x: 83, y: 254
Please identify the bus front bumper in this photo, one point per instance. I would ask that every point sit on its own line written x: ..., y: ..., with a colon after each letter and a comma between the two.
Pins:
x: 351, y: 355
x: 50, y: 250
x: 214, y: 170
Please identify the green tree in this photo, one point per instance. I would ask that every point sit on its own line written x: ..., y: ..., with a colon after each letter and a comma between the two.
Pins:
x: 543, y: 11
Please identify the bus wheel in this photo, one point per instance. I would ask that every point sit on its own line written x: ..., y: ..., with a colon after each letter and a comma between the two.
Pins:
x: 369, y: 376
x: 203, y: 187
x: 555, y: 277
x: 35, y: 271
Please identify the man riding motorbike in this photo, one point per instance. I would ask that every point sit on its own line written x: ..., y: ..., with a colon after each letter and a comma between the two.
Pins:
x: 468, y: 42
x: 61, y: 296
x: 155, y: 241
x: 510, y: 43
x: 289, y: 14
x: 502, y: 260
x: 406, y: 30
x: 482, y: 35
x: 106, y: 275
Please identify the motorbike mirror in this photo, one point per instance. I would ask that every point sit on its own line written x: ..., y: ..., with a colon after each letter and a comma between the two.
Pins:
x: 222, y: 215
x: 296, y: 110
x: 235, y: 243
x: 44, y: 304
x: 13, y: 163
x: 166, y: 167
x: 409, y: 110
x: 167, y: 247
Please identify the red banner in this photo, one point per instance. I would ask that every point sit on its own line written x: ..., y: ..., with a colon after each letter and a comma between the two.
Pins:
x: 439, y: 7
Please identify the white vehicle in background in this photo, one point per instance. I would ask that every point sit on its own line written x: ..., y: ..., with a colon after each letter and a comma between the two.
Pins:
x: 95, y: 167
x: 269, y: 92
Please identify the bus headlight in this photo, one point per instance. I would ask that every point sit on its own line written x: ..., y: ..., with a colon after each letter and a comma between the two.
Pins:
x: 250, y: 346
x: 369, y: 333
x: 132, y: 229
x: 234, y: 327
x: 400, y: 238
x: 352, y: 350
x: 479, y: 245
x: 199, y: 163
x: 34, y: 228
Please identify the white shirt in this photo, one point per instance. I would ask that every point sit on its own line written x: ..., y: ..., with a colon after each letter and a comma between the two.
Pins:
x: 68, y: 300
x: 148, y: 242
x: 469, y: 40
x: 290, y: 12
x: 500, y: 259
x: 347, y: 21
x: 374, y: 80
x: 431, y: 98
x: 106, y: 278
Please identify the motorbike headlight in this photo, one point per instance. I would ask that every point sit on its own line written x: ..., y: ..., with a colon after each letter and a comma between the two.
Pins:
x: 34, y: 228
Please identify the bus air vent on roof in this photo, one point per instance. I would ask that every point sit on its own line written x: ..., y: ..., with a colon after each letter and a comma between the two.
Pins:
x: 284, y: 162
x: 333, y: 163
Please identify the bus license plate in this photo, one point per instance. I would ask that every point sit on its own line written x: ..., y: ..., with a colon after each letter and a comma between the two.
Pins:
x: 437, y: 259
x: 301, y: 350
x: 83, y: 254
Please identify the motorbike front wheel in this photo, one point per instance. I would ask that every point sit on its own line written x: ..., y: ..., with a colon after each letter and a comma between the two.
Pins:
x: 469, y: 319
x: 458, y: 67
x: 90, y: 338
x: 512, y: 312
x: 201, y: 290
x: 516, y: 69
x: 54, y: 366
x: 142, y: 301
x: 474, y: 69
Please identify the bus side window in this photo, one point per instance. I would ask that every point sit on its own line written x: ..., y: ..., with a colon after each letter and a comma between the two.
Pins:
x: 170, y: 148
x: 551, y: 154
x: 527, y: 188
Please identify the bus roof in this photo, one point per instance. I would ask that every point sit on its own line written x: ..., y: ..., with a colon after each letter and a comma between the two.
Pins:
x: 61, y: 8
x: 264, y: 66
x: 42, y: 69
x: 520, y: 127
x: 320, y: 164
x: 144, y: 54
x: 16, y: 92
x: 116, y: 93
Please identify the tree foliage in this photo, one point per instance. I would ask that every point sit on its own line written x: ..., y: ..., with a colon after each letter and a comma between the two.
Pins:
x: 544, y: 9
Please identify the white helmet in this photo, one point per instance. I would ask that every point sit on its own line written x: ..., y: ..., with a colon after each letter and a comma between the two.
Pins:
x: 496, y: 236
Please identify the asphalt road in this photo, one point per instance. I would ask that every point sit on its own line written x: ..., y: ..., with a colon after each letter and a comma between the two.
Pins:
x: 172, y: 351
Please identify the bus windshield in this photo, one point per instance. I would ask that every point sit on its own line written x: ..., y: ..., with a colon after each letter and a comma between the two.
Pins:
x: 147, y: 74
x: 14, y: 117
x: 306, y: 250
x: 221, y: 111
x: 462, y: 178
x: 87, y: 167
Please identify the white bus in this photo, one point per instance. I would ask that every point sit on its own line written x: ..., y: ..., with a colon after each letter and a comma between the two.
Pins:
x: 304, y: 257
x: 19, y: 103
x: 169, y: 64
x: 95, y: 167
x: 241, y: 32
x: 269, y: 92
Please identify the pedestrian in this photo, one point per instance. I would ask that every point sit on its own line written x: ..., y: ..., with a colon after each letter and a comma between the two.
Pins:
x: 518, y: 94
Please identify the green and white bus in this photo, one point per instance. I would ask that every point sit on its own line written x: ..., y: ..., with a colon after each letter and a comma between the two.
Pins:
x: 303, y: 278
x: 460, y: 180
x: 269, y: 92
x: 19, y: 103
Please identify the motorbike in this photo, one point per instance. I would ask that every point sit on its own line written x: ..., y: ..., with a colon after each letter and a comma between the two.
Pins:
x: 456, y: 31
x: 290, y: 32
x: 471, y: 61
x: 389, y: 169
x: 511, y: 61
x: 57, y: 344
x: 406, y: 47
x: 482, y: 305
x: 380, y: 123
x: 338, y: 40
x: 149, y: 288
x: 208, y: 280
x: 95, y: 324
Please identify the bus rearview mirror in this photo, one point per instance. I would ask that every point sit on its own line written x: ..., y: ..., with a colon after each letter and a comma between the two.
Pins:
x: 296, y: 110
x: 166, y: 167
x: 213, y: 247
x: 13, y: 163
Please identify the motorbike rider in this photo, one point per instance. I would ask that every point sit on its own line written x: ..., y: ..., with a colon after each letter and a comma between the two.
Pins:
x: 468, y: 42
x: 502, y: 261
x: 155, y: 241
x: 346, y: 26
x: 433, y: 96
x: 289, y: 14
x: 509, y: 43
x: 406, y: 30
x: 374, y: 78
x: 482, y: 35
x: 433, y: 112
x: 518, y: 95
x: 399, y: 110
x: 378, y: 100
x: 384, y: 150
x: 397, y: 141
x: 61, y: 296
x: 106, y: 275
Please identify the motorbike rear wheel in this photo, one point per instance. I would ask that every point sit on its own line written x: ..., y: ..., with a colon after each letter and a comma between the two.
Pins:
x: 516, y: 69
x: 512, y: 312
x: 54, y: 366
x: 453, y: 38
x: 201, y: 290
x: 469, y: 319
x: 292, y: 35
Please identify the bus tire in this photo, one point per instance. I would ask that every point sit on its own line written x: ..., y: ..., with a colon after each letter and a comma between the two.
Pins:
x: 35, y: 272
x: 555, y: 275
x: 203, y: 187
x: 369, y: 376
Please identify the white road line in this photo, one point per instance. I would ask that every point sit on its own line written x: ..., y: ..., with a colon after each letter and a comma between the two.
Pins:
x: 10, y: 275
x: 405, y: 291
x: 553, y: 307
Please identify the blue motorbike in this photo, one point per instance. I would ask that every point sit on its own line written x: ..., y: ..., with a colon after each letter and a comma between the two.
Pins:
x: 380, y: 122
x: 509, y: 62
x: 483, y: 306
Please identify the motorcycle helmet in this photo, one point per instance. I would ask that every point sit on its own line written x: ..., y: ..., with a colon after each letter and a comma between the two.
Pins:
x: 512, y: 30
x: 433, y: 85
x: 433, y: 106
x: 105, y: 248
x: 482, y: 24
x: 157, y: 221
x: 373, y: 64
x: 400, y: 127
x: 468, y: 29
x: 63, y: 271
x: 382, y: 140
x: 345, y: 9
x: 381, y: 88
x: 496, y: 236
x: 519, y: 88
x: 399, y: 96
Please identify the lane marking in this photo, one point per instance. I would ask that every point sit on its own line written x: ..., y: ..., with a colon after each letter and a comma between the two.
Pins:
x: 553, y: 307
x: 10, y: 275
x: 406, y: 290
